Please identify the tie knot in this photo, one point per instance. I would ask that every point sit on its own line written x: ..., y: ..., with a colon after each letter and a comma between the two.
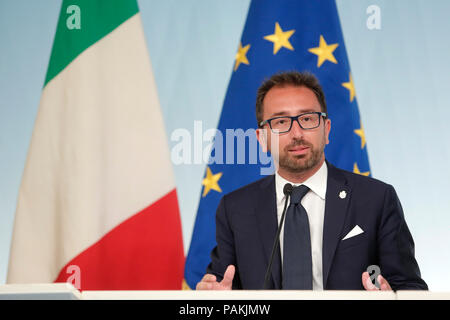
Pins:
x: 298, y: 193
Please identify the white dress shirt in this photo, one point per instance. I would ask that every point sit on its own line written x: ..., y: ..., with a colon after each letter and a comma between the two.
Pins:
x: 314, y: 204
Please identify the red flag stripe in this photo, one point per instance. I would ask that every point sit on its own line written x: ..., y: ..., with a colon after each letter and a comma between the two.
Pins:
x: 145, y: 252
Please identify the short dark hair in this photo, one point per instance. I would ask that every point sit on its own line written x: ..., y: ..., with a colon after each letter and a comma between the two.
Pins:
x: 289, y: 78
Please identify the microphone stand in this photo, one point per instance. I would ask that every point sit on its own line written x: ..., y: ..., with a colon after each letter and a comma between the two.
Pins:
x: 287, y: 192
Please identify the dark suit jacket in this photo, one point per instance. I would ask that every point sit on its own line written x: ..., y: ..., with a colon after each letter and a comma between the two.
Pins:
x: 246, y: 224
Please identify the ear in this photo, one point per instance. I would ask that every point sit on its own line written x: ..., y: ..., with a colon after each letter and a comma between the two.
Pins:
x: 261, y: 135
x: 327, y: 129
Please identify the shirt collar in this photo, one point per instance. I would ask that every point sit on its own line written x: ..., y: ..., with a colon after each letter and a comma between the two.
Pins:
x: 316, y: 183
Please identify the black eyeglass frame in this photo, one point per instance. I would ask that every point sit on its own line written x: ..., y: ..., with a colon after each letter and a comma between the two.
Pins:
x: 321, y: 114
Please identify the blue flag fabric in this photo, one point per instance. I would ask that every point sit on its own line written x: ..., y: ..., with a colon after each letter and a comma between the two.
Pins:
x: 278, y: 36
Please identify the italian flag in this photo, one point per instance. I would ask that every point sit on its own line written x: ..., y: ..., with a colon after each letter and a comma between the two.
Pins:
x: 98, y: 205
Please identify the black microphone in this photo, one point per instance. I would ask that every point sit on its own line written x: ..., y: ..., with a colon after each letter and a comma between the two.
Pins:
x: 287, y: 190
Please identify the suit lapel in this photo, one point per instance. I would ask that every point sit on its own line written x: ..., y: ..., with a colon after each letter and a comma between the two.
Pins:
x: 336, y: 203
x: 266, y: 214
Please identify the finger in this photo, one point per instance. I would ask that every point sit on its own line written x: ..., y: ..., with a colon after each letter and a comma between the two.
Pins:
x: 209, y: 286
x: 209, y: 278
x: 367, y: 282
x: 364, y: 278
x: 204, y: 286
x: 228, y: 277
x: 370, y: 285
x: 384, y: 284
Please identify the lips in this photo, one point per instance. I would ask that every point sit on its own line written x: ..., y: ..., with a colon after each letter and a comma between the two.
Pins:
x: 298, y: 150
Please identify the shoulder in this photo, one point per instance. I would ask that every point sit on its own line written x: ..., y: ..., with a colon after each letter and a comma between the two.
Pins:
x: 359, y: 182
x: 368, y: 194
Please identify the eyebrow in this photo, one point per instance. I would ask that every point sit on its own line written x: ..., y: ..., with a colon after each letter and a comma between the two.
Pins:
x: 284, y: 113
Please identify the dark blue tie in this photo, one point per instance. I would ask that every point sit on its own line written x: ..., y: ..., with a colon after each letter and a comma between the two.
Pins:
x: 297, y: 260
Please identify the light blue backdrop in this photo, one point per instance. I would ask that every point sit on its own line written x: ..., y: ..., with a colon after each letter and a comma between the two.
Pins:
x: 401, y: 74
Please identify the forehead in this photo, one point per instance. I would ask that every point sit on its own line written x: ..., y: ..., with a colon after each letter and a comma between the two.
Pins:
x: 290, y: 100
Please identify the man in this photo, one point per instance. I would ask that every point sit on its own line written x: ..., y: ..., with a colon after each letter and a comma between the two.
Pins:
x: 337, y: 224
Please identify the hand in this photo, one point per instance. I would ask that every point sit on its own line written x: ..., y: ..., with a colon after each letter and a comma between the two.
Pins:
x: 369, y: 286
x: 209, y: 281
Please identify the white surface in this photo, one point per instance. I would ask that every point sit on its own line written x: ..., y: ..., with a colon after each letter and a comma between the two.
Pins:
x: 239, y: 295
x: 46, y: 291
x: 67, y: 291
x: 420, y: 295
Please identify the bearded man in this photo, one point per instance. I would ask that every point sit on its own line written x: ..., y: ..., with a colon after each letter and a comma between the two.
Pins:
x: 337, y: 223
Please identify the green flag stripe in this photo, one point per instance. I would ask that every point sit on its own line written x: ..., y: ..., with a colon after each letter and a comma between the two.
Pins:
x: 97, y: 19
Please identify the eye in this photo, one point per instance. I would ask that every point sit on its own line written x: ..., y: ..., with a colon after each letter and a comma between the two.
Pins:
x: 280, y: 121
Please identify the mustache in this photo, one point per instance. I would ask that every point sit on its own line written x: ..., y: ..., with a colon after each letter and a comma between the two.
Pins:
x: 297, y: 143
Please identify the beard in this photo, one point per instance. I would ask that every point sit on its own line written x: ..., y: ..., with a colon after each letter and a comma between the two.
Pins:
x: 304, y: 162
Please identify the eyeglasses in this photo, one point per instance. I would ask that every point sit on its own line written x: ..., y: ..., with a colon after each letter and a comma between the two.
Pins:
x: 307, y: 121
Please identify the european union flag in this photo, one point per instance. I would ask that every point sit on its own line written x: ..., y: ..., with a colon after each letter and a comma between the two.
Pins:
x: 286, y: 35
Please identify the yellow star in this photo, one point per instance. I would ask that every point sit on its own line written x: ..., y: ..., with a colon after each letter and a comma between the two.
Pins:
x: 360, y: 132
x: 351, y: 87
x: 240, y: 56
x: 324, y: 52
x: 210, y: 182
x: 356, y: 170
x: 280, y: 38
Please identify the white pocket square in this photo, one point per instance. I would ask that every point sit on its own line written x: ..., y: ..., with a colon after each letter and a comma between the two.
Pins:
x: 354, y: 232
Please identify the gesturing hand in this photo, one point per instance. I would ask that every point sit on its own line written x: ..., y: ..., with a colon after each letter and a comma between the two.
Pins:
x: 209, y: 281
x: 368, y: 285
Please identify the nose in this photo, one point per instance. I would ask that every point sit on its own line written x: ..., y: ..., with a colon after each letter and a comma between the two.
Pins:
x: 296, y: 130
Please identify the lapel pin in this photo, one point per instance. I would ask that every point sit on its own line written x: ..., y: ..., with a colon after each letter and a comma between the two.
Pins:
x: 342, y: 194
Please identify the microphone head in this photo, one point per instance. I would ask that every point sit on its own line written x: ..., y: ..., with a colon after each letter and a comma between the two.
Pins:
x: 287, y: 189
